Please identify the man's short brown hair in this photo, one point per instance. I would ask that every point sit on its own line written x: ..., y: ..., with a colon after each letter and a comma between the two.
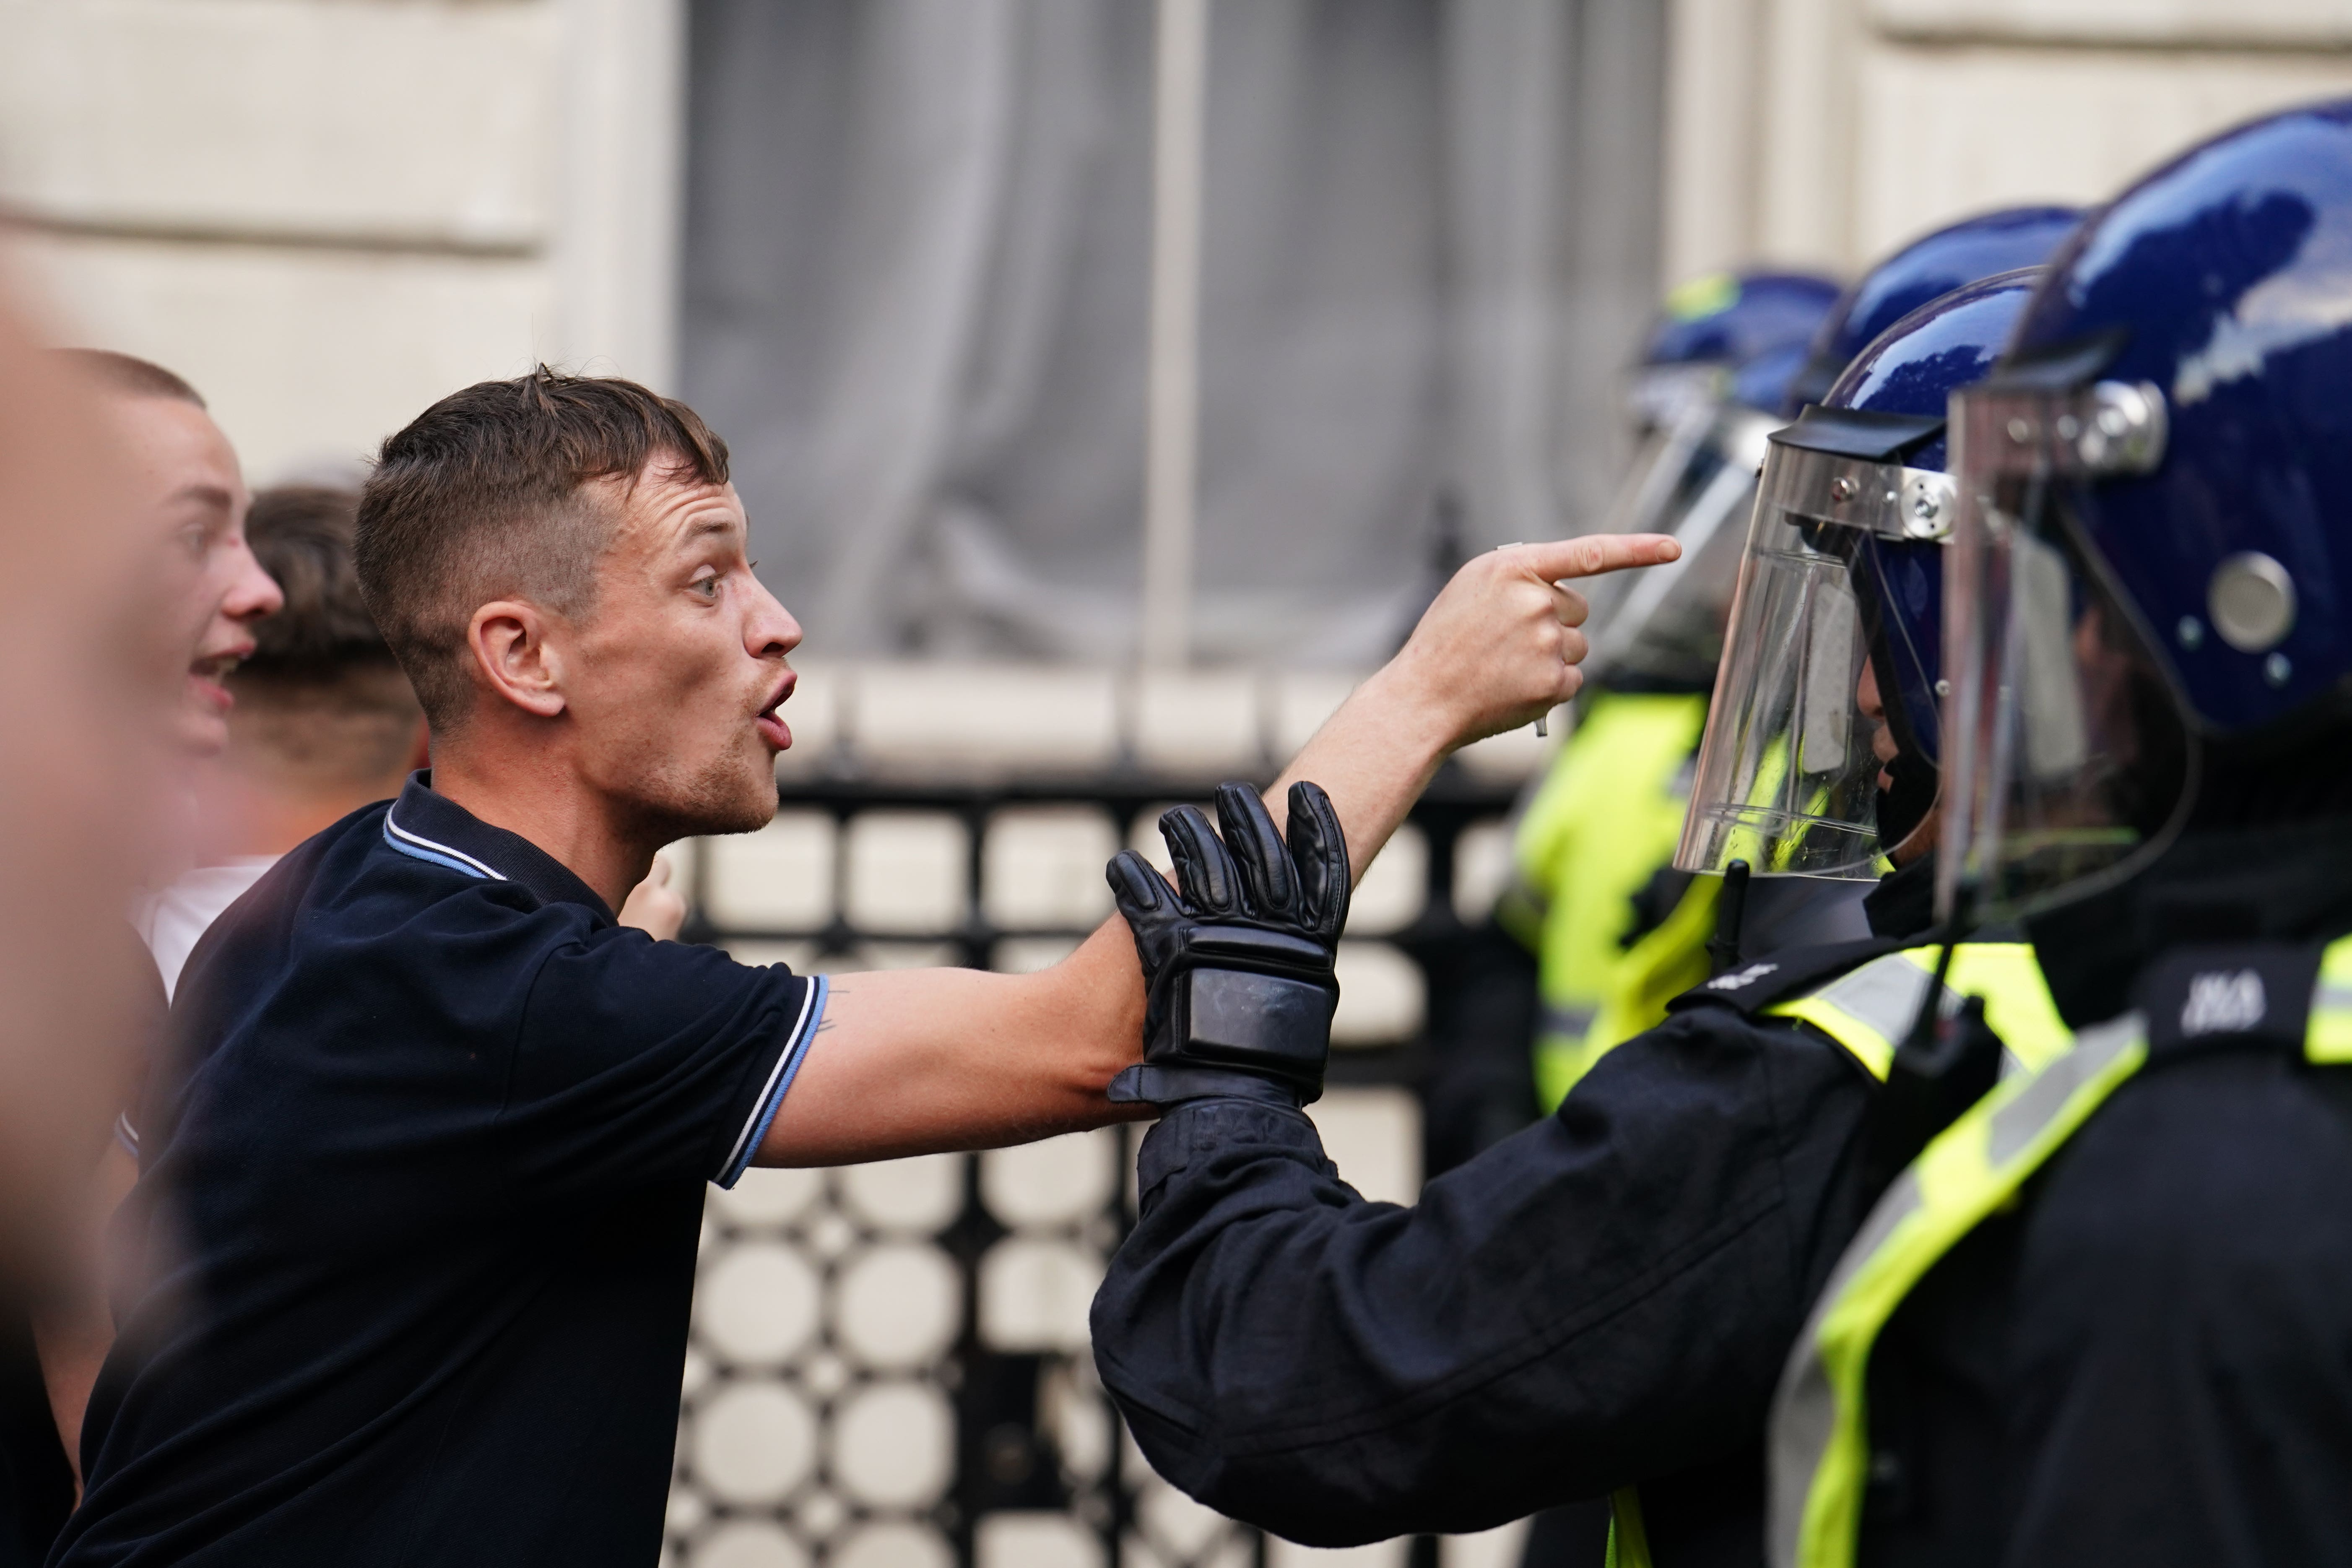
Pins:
x: 320, y: 692
x: 480, y: 499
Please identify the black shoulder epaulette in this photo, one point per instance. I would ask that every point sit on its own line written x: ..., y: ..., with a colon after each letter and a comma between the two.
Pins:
x: 2195, y: 997
x: 1756, y: 986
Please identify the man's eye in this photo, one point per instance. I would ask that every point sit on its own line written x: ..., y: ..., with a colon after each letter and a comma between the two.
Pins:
x: 706, y: 587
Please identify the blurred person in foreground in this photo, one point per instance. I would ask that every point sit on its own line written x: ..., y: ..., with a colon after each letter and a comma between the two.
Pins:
x: 79, y: 594
x: 185, y: 492
x: 422, y: 1189
x: 81, y: 589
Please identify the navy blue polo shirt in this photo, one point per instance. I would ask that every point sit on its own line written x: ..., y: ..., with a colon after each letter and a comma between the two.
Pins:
x: 418, y: 1212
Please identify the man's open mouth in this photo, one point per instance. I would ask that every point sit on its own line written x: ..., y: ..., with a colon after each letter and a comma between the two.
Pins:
x: 772, y: 729
x: 210, y: 675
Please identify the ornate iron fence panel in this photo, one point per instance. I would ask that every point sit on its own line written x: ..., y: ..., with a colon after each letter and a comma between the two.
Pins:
x: 889, y: 1365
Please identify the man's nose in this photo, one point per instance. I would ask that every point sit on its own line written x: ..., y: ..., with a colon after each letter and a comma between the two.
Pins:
x: 254, y: 593
x: 771, y: 632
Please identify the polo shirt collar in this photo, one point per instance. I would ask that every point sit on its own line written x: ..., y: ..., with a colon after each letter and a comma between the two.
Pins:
x: 433, y: 828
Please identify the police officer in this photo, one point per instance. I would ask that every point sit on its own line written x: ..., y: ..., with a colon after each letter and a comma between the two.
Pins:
x: 1606, y: 1298
x: 2105, y: 1315
x: 1620, y: 931
x: 1592, y: 884
x: 1592, y: 881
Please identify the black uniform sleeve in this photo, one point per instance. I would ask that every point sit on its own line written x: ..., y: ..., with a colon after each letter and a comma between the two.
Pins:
x: 1606, y: 1295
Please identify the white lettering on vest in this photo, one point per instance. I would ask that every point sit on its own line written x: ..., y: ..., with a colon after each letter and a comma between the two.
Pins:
x: 2225, y: 1003
x: 1740, y: 977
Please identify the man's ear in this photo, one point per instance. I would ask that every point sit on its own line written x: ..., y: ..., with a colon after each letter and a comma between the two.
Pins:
x: 512, y: 655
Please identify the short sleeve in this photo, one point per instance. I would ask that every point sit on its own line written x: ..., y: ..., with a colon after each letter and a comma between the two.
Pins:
x: 636, y: 1061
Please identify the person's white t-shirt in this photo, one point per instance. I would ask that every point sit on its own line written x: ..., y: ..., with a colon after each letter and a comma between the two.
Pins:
x: 170, y: 921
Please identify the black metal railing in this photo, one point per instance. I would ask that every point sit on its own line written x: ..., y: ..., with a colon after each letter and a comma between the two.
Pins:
x: 1018, y: 1436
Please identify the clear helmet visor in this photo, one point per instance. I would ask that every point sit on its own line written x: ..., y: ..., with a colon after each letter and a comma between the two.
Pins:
x: 1696, y: 481
x: 2068, y: 752
x: 1810, y: 717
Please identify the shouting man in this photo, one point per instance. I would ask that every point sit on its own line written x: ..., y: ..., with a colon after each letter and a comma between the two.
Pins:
x: 420, y: 1194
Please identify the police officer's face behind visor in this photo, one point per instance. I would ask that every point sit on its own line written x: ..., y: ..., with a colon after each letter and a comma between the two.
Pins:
x: 681, y: 663
x: 1917, y: 839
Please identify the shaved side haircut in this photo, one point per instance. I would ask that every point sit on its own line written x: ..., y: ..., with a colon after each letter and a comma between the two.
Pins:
x: 481, y: 498
x: 321, y: 694
x: 129, y: 376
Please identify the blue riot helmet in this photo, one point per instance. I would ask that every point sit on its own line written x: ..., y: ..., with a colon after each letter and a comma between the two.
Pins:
x: 1805, y: 768
x: 1927, y: 268
x: 2153, y: 550
x: 1714, y: 371
x: 1661, y: 629
x: 1723, y: 321
x: 1710, y: 325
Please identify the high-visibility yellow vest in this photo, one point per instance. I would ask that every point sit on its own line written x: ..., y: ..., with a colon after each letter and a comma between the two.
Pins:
x: 1820, y: 1441
x: 1602, y: 824
x: 1869, y: 1010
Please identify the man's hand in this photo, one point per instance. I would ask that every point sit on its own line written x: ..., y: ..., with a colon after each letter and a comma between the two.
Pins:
x: 653, y: 905
x: 1499, y: 646
x: 918, y: 1060
x: 1237, y: 960
x: 1497, y: 649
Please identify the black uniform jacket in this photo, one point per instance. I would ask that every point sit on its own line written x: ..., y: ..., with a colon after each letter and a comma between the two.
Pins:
x: 2149, y: 1359
x: 1604, y: 1298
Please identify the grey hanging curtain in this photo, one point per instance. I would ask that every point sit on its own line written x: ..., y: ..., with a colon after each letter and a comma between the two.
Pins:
x: 917, y: 265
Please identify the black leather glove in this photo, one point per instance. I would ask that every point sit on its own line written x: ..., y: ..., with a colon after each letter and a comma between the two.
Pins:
x: 1237, y: 958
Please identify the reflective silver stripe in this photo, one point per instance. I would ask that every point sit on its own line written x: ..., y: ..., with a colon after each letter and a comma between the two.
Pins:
x: 1574, y: 1022
x: 1884, y: 994
x: 2327, y: 993
x: 1804, y: 1410
x: 2015, y: 1124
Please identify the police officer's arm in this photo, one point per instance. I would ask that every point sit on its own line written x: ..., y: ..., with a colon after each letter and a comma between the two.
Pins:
x: 922, y: 1059
x: 1606, y: 1296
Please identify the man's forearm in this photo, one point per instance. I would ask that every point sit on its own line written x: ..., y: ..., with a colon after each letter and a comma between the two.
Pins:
x: 925, y: 1059
x: 917, y: 1060
x: 911, y: 1061
x: 1373, y: 758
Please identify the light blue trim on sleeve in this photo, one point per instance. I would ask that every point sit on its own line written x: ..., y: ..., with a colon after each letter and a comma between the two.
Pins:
x: 771, y: 1098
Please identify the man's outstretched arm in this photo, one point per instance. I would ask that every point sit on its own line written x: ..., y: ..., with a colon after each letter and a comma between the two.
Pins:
x: 912, y: 1060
